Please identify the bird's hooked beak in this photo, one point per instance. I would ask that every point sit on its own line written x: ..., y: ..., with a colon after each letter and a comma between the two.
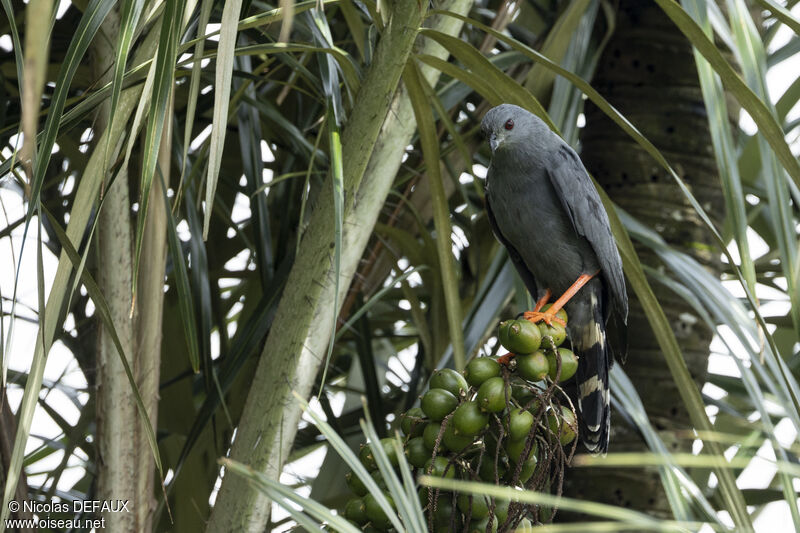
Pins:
x: 493, y: 141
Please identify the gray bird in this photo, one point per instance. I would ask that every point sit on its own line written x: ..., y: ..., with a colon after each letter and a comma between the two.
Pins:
x: 545, y: 210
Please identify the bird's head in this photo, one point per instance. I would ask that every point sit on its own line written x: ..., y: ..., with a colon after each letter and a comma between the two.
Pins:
x: 508, y: 124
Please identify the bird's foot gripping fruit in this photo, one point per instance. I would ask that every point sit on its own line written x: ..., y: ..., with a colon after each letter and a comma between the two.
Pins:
x: 509, y: 425
x: 536, y: 317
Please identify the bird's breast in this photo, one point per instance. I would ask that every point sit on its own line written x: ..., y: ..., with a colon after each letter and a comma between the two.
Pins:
x: 531, y: 216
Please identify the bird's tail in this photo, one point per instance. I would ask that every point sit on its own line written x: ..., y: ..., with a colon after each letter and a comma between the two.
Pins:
x: 589, y: 343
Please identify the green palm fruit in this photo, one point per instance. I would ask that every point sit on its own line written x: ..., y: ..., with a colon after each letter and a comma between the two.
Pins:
x: 480, y: 369
x: 555, y: 331
x: 438, y: 403
x: 492, y: 395
x: 356, y: 511
x: 412, y: 422
x: 569, y: 364
x: 534, y: 366
x: 416, y: 452
x: 469, y: 420
x: 520, y: 423
x: 520, y: 336
x: 564, y: 427
x: 375, y: 512
x: 451, y: 381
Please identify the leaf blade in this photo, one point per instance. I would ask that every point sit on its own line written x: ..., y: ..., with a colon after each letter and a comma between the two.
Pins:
x: 223, y: 78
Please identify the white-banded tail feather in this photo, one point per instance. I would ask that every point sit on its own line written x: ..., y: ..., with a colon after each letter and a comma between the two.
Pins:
x: 594, y: 402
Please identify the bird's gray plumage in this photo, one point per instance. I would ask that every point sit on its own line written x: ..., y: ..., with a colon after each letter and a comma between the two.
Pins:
x: 545, y: 210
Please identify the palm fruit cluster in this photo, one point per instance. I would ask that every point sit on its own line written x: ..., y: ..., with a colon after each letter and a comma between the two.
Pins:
x: 504, y: 421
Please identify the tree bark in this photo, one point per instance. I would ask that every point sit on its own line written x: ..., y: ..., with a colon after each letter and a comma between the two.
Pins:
x: 373, y: 144
x: 116, y: 406
x: 648, y: 72
x: 125, y: 460
x: 150, y: 311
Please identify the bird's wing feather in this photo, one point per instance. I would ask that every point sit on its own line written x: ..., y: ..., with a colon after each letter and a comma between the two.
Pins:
x: 582, y: 202
x: 516, y: 258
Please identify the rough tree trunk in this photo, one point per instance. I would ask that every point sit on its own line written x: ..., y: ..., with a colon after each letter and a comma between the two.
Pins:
x: 648, y: 72
x: 116, y: 407
x: 125, y: 460
x: 150, y: 312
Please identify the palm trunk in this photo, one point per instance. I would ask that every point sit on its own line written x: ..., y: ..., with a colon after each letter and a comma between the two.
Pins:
x: 125, y: 460
x: 116, y: 407
x: 648, y: 72
x: 150, y: 311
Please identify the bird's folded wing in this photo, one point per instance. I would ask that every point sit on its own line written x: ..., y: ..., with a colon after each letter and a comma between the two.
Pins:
x: 582, y: 202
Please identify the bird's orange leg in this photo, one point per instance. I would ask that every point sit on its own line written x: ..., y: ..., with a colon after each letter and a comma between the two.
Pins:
x: 542, y: 301
x: 550, y: 315
x: 535, y: 316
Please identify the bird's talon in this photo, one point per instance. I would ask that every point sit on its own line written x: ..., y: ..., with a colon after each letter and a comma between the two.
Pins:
x: 547, y: 317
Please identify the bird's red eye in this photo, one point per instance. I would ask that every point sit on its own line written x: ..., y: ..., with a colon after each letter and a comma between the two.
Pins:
x: 509, y: 124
